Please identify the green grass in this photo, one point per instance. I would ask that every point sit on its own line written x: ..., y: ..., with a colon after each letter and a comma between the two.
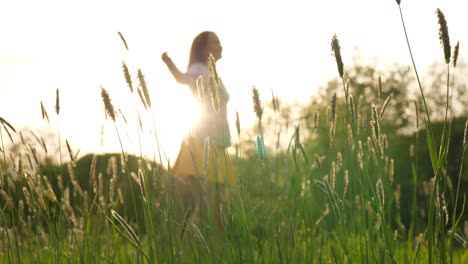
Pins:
x: 340, y: 203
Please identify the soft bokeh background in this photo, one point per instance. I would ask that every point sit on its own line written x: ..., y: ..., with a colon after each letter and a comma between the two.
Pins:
x: 282, y: 46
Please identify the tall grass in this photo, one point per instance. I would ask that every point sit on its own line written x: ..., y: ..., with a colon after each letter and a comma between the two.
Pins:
x: 339, y: 204
x: 435, y: 232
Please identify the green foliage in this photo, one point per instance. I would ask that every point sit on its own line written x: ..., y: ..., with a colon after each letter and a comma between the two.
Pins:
x: 343, y: 179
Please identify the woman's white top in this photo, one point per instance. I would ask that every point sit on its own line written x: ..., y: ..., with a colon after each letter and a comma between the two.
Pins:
x: 211, y: 123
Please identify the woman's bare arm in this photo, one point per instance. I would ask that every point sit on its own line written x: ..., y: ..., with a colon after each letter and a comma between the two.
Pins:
x: 180, y: 77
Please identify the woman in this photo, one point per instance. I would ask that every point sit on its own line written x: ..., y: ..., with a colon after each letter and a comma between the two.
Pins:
x: 203, y: 153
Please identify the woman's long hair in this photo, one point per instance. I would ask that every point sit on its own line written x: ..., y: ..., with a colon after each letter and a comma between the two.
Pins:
x: 198, y: 51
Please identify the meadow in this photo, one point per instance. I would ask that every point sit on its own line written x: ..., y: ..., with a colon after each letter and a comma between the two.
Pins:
x: 343, y: 188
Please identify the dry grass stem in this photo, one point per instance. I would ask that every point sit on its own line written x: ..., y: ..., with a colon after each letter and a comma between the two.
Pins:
x: 123, y: 116
x: 7, y: 125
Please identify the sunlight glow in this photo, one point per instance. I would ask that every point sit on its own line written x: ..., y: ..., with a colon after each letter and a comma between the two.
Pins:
x: 58, y: 48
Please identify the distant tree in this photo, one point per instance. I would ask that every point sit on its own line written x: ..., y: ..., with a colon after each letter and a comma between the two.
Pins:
x: 436, y: 89
x: 368, y: 85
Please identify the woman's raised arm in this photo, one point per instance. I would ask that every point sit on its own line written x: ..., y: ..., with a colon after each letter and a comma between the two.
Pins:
x: 180, y: 77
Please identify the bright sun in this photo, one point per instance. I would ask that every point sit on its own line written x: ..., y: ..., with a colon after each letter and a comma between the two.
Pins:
x: 175, y: 114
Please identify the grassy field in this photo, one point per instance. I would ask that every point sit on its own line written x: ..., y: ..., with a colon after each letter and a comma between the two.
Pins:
x: 338, y: 204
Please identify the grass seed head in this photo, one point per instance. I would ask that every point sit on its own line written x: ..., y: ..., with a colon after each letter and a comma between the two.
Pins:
x: 142, y: 98
x: 444, y: 35
x: 123, y: 40
x: 128, y: 77
x: 333, y: 109
x: 57, y: 102
x: 107, y: 103
x: 237, y: 123
x: 335, y: 45
x: 398, y: 2
x: 350, y: 135
x: 376, y: 121
x: 70, y: 152
x: 274, y: 100
x: 144, y: 88
x: 44, y: 113
x: 455, y: 54
x: 257, y: 103
x: 380, y: 192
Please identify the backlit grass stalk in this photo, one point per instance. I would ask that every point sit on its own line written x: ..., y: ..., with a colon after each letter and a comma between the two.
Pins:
x: 414, y: 155
x: 128, y: 233
x: 439, y: 159
x: 377, y: 141
x: 57, y: 111
x: 445, y: 41
x: 147, y: 103
x: 455, y: 219
x: 336, y: 50
x: 109, y: 108
x: 258, y: 109
x: 378, y: 190
x: 146, y: 100
x: 146, y: 199
x: 128, y: 80
x: 445, y: 140
x: 429, y: 130
x: 3, y: 181
x: 238, y: 135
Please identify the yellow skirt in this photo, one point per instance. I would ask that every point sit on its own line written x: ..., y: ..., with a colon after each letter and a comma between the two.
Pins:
x: 191, y: 161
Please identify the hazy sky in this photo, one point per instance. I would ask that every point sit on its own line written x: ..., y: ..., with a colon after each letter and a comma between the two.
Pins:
x: 279, y: 45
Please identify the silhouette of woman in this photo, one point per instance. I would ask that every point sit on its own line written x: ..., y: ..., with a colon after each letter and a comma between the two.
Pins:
x: 203, y: 156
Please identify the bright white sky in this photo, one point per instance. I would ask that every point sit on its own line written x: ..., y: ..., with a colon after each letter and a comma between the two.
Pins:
x: 279, y: 45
